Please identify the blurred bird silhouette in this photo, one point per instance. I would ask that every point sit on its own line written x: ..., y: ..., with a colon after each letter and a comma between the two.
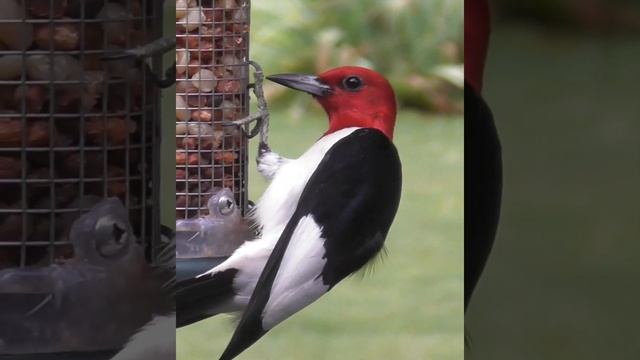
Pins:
x: 94, y: 300
x: 156, y: 339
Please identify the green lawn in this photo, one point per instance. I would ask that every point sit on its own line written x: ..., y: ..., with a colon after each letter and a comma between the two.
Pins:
x: 561, y: 283
x: 411, y: 306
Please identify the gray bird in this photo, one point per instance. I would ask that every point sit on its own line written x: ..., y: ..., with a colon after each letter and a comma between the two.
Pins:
x: 93, y: 301
x: 216, y: 234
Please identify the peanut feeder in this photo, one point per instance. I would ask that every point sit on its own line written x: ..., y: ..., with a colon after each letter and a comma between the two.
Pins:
x: 78, y: 158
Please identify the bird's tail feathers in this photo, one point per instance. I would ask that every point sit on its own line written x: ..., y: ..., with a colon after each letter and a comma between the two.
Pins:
x: 205, y: 296
x: 370, y: 267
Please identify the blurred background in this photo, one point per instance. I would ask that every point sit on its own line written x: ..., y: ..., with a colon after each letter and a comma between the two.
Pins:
x: 410, y: 308
x: 562, y: 79
x: 416, y: 44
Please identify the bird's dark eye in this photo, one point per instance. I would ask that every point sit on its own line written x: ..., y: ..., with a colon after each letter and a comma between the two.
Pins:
x: 352, y: 83
x: 118, y: 233
x: 226, y: 205
x: 111, y: 236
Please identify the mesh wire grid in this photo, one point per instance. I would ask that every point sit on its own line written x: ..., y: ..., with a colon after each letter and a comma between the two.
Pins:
x: 72, y: 127
x: 211, y: 88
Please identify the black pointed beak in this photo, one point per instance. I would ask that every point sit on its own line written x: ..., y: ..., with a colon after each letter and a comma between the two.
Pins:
x: 308, y: 83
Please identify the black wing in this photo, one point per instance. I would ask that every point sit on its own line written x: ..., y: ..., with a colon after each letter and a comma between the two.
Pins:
x: 482, y: 188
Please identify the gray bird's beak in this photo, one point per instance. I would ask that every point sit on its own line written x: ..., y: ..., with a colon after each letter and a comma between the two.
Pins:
x: 307, y: 83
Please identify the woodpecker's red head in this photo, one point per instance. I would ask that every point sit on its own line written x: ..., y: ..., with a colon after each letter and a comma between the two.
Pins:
x: 352, y: 97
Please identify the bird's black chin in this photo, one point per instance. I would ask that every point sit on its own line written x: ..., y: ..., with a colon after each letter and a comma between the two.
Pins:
x: 308, y: 83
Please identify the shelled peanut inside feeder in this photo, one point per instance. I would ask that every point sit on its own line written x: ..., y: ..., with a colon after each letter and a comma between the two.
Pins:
x: 211, y: 88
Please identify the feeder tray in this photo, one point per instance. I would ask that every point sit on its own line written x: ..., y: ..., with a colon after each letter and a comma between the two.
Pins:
x: 78, y: 155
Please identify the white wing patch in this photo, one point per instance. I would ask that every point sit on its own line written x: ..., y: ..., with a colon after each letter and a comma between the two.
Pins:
x: 297, y: 283
x: 249, y: 260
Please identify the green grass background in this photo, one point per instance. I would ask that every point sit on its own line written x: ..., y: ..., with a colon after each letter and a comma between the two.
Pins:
x: 562, y: 282
x: 410, y: 307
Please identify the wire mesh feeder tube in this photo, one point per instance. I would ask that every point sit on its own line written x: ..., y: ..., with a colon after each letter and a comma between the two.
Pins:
x: 212, y: 63
x: 77, y: 134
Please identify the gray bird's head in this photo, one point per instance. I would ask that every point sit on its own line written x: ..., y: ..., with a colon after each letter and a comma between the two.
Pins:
x: 222, y: 204
x: 104, y: 233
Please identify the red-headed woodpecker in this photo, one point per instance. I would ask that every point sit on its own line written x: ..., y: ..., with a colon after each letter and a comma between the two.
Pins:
x: 324, y: 215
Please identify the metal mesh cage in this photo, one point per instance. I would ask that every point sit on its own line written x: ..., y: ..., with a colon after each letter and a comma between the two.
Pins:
x: 76, y: 129
x: 211, y: 89
x: 73, y: 128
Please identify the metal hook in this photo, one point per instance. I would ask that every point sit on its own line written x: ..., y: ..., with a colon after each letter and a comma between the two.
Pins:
x: 262, y: 116
x: 153, y: 49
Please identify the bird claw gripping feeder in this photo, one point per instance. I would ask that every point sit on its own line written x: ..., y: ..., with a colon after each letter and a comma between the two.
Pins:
x: 79, y: 144
x: 213, y: 127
